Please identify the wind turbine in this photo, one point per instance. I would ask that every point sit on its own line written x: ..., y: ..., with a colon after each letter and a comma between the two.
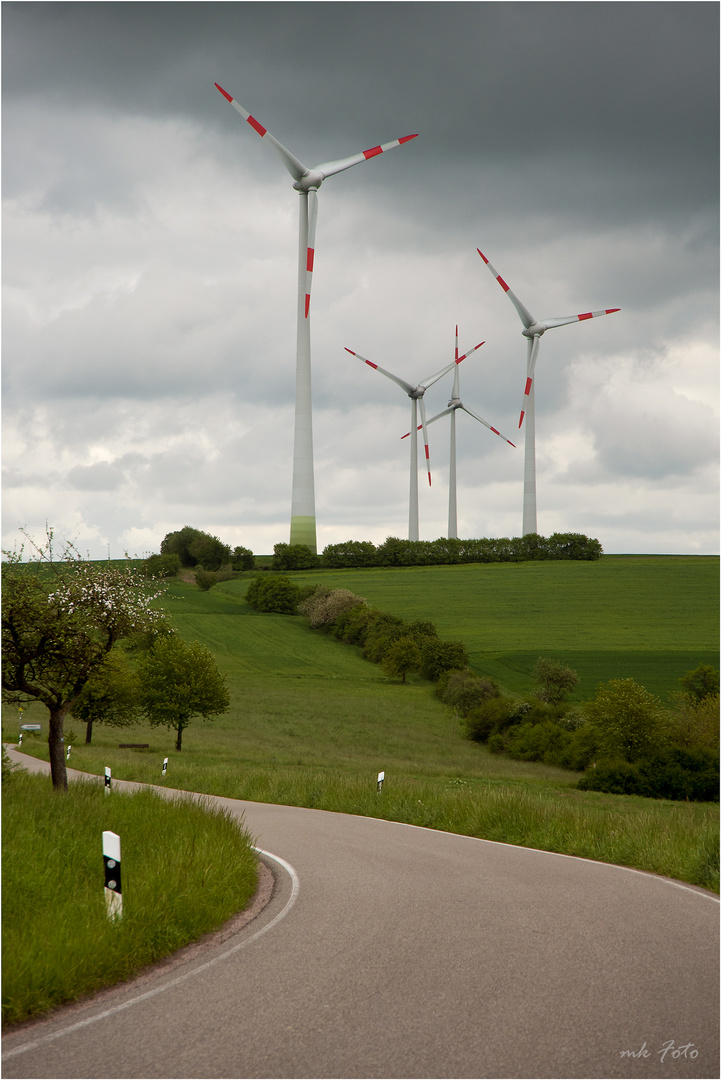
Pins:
x: 306, y: 182
x: 415, y: 393
x: 533, y: 331
x: 453, y: 406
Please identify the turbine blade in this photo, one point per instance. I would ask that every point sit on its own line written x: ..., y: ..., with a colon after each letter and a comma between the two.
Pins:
x: 400, y: 382
x: 432, y: 419
x: 566, y: 319
x: 310, y: 253
x: 533, y: 346
x: 485, y: 422
x: 439, y: 374
x: 296, y: 168
x: 466, y: 354
x: 525, y: 315
x: 425, y: 439
x: 330, y: 168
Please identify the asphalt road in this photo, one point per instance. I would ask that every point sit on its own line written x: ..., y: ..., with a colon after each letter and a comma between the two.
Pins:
x: 393, y: 951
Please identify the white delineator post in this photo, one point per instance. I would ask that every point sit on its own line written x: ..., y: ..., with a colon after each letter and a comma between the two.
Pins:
x: 113, y: 885
x: 107, y: 780
x: 67, y: 756
x: 165, y: 766
x: 381, y: 778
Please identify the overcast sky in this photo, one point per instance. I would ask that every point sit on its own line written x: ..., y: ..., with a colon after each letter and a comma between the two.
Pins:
x: 150, y: 260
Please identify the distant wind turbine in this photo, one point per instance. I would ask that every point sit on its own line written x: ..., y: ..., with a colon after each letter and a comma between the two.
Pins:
x: 453, y: 405
x: 415, y: 393
x: 533, y: 330
x: 307, y: 182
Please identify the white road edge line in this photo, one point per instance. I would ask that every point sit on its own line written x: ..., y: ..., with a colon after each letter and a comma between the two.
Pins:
x: 562, y: 855
x: 35, y: 1043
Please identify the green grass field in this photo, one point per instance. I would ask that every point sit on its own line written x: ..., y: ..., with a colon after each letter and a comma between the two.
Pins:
x: 647, y: 617
x: 311, y: 723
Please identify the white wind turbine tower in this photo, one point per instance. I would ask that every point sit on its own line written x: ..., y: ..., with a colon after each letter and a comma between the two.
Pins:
x: 415, y: 393
x: 533, y: 331
x: 307, y: 182
x: 453, y: 406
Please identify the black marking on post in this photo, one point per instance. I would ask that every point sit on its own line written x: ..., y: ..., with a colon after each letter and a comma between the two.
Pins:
x: 112, y: 874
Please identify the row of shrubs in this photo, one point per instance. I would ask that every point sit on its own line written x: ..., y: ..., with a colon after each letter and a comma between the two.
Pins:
x: 400, y: 647
x: 395, y: 552
x: 623, y: 741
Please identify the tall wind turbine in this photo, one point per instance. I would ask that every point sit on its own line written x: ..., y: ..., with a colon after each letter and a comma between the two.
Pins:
x: 415, y: 393
x: 306, y: 182
x: 533, y: 331
x: 453, y: 406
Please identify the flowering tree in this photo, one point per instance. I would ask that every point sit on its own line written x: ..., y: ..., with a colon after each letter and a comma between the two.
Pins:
x: 61, y: 617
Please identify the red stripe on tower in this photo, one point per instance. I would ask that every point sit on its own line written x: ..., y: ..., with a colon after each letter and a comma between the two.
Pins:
x: 258, y: 127
x: 373, y: 152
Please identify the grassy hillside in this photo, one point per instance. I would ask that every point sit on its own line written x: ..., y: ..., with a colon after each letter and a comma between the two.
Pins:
x: 646, y: 617
x: 311, y: 723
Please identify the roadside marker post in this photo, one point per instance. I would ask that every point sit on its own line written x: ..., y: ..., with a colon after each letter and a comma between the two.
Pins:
x: 67, y: 756
x: 381, y: 778
x: 20, y: 740
x: 107, y: 780
x: 113, y: 885
x: 165, y: 766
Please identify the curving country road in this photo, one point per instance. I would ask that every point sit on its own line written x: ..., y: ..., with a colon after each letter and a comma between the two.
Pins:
x: 393, y: 951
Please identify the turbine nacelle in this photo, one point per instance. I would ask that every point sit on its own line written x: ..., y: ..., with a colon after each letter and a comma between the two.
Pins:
x: 536, y: 329
x: 310, y: 180
x: 455, y: 403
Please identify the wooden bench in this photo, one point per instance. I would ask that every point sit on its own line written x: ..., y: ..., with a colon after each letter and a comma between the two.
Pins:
x: 133, y: 745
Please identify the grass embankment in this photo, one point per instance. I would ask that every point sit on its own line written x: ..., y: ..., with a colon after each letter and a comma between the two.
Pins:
x: 58, y: 944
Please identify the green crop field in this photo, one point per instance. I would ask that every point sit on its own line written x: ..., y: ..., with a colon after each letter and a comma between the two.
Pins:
x: 647, y: 617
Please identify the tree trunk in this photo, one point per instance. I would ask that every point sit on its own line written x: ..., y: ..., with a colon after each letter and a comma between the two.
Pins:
x: 57, y: 749
x: 178, y: 744
x: 89, y: 730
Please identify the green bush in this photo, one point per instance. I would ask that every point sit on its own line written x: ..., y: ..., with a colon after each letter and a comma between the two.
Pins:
x: 438, y: 656
x: 294, y: 557
x: 668, y: 774
x: 162, y: 566
x: 243, y: 559
x: 276, y: 593
x: 205, y: 579
x: 465, y: 691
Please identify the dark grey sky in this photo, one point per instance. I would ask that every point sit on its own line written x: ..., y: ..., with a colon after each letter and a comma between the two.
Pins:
x: 149, y: 247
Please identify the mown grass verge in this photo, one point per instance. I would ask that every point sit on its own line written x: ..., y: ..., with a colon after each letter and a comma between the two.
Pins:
x: 186, y: 869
